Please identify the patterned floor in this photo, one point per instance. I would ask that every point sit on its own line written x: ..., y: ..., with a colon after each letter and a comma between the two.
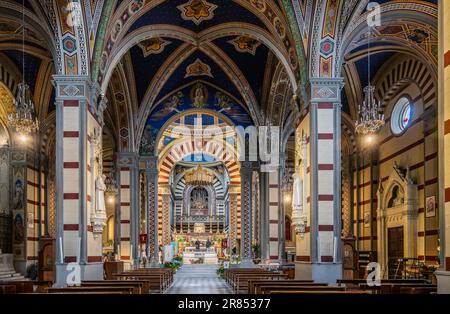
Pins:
x: 198, y: 279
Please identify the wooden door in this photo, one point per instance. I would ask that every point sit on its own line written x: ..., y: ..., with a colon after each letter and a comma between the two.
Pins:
x: 395, y: 250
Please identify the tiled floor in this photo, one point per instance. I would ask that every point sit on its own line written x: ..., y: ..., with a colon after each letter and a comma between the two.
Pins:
x: 198, y: 279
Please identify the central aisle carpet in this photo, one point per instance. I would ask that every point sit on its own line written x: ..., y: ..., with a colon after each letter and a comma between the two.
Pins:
x: 198, y: 279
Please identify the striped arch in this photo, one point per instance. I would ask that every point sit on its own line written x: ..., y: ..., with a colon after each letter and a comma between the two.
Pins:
x: 178, y: 150
x: 398, y: 74
x: 181, y: 185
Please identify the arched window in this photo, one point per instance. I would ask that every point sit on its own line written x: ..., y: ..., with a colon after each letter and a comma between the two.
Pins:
x: 401, y: 115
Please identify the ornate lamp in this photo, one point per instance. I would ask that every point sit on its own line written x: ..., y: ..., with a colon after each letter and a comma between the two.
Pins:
x: 23, y: 120
x: 111, y: 186
x: 370, y: 120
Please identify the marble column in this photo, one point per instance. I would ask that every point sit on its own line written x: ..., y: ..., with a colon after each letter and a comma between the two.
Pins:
x: 79, y: 121
x: 323, y: 263
x: 246, y: 214
x: 127, y: 165
x: 281, y: 210
x: 152, y: 248
x: 264, y: 214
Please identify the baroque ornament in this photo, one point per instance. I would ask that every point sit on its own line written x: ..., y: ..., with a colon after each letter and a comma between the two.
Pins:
x: 197, y: 11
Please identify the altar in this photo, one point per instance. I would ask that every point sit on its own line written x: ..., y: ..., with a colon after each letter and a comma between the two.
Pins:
x: 192, y: 255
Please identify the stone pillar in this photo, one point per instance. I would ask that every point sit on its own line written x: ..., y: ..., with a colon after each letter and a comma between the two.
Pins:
x: 281, y: 210
x: 443, y: 274
x: 264, y: 214
x: 151, y: 165
x: 166, y: 236
x: 79, y: 120
x: 232, y: 229
x: 324, y: 263
x: 127, y: 166
x: 246, y: 214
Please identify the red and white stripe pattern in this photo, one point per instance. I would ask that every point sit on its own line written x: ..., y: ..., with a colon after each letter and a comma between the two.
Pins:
x: 274, y: 204
x: 177, y: 152
x: 71, y: 178
x: 125, y: 213
x: 325, y: 180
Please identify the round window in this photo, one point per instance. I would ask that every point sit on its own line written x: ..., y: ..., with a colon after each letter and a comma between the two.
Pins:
x: 401, y: 115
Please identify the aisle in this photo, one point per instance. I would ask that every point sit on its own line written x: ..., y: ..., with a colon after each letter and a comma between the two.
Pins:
x: 198, y: 279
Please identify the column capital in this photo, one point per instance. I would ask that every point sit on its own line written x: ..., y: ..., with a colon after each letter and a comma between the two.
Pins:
x: 127, y: 159
x: 80, y: 87
x: 326, y: 89
x: 151, y: 164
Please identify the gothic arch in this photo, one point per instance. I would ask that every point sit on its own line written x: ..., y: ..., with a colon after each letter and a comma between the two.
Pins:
x: 188, y: 36
x: 402, y: 71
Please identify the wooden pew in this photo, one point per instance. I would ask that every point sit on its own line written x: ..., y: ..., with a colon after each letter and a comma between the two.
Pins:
x: 166, y: 277
x: 229, y: 273
x: 418, y: 290
x: 240, y: 282
x: 21, y: 286
x: 7, y: 289
x: 268, y: 289
x: 167, y: 273
x: 95, y: 290
x: 156, y: 281
x: 142, y: 286
x: 395, y: 288
x: 315, y: 292
x: 406, y: 287
x: 254, y: 285
x: 357, y: 282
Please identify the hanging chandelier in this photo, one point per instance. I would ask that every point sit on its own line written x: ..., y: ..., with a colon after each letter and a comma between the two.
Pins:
x: 111, y: 184
x: 370, y: 120
x: 23, y: 120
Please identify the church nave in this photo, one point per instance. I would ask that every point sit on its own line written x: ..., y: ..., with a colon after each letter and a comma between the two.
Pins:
x: 289, y: 146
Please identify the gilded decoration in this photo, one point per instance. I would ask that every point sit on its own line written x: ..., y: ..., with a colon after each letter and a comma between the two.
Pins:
x: 197, y: 11
x: 153, y: 46
x: 198, y: 68
x: 245, y: 44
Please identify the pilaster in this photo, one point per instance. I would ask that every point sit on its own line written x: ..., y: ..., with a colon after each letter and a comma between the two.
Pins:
x: 79, y: 120
x: 324, y: 262
x: 151, y: 166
